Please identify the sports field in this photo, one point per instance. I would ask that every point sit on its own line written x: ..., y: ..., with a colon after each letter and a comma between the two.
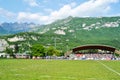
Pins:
x: 25, y: 69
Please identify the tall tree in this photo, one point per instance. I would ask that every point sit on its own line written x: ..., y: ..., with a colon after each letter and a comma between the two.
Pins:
x: 16, y: 48
x: 52, y: 51
x: 38, y: 50
x: 9, y: 51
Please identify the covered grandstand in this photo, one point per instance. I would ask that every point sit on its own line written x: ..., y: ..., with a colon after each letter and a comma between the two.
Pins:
x: 102, y: 47
x: 94, y: 52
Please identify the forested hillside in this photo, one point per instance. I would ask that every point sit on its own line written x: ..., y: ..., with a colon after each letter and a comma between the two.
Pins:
x: 75, y: 31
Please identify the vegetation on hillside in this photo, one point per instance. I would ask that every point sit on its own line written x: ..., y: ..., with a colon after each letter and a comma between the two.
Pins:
x: 71, y: 32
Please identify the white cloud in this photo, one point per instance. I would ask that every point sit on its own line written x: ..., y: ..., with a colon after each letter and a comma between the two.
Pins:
x: 93, y: 8
x: 88, y: 8
x: 42, y: 19
x: 28, y: 17
x: 32, y: 17
x: 73, y: 4
x: 62, y: 13
x: 48, y: 10
x: 6, y: 14
x: 32, y: 3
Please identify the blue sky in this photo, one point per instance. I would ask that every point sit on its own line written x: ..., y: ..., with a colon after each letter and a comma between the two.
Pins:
x: 47, y: 11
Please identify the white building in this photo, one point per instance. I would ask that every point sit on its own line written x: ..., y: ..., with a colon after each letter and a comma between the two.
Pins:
x: 4, y: 55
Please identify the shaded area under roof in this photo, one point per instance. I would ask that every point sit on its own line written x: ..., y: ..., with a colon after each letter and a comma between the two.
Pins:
x: 102, y: 47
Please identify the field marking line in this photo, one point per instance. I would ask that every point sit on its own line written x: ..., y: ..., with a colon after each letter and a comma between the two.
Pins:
x: 110, y: 69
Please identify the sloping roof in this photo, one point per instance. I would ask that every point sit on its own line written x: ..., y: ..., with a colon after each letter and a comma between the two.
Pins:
x: 102, y: 47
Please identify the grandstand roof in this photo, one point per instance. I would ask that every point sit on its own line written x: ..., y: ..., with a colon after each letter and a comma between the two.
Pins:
x: 102, y: 47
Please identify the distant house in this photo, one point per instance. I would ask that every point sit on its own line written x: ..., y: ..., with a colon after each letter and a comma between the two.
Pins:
x: 22, y: 56
x: 4, y: 55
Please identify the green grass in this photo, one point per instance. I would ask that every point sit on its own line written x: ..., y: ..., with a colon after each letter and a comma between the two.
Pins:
x: 25, y: 69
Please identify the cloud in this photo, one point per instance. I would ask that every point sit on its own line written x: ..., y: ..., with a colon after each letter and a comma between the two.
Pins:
x: 93, y: 8
x: 89, y: 8
x: 73, y: 4
x: 48, y: 10
x: 27, y: 17
x: 32, y: 17
x: 32, y: 3
x: 42, y: 19
x: 62, y: 13
x: 6, y: 14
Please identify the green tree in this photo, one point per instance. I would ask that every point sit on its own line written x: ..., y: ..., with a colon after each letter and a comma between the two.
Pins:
x: 9, y: 51
x: 52, y: 51
x: 16, y: 47
x: 38, y: 50
x: 57, y: 53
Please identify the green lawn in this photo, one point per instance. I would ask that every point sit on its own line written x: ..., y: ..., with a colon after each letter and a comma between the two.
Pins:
x: 25, y: 69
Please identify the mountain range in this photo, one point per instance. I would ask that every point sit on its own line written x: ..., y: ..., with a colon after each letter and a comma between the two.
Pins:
x: 13, y: 28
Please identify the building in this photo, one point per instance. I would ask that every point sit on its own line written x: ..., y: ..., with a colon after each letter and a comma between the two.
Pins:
x: 93, y: 52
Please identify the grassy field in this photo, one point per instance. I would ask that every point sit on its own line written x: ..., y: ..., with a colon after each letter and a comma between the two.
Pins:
x: 23, y: 69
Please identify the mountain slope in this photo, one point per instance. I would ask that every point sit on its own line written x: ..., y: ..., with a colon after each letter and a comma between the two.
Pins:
x: 71, y: 32
x: 79, y: 31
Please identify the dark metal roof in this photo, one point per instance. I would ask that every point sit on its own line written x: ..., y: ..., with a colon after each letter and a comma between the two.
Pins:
x: 102, y: 47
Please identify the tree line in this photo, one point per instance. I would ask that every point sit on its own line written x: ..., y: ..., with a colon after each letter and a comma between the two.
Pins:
x: 36, y: 50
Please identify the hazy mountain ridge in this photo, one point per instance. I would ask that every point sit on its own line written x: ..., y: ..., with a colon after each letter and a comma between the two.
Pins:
x: 13, y: 28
